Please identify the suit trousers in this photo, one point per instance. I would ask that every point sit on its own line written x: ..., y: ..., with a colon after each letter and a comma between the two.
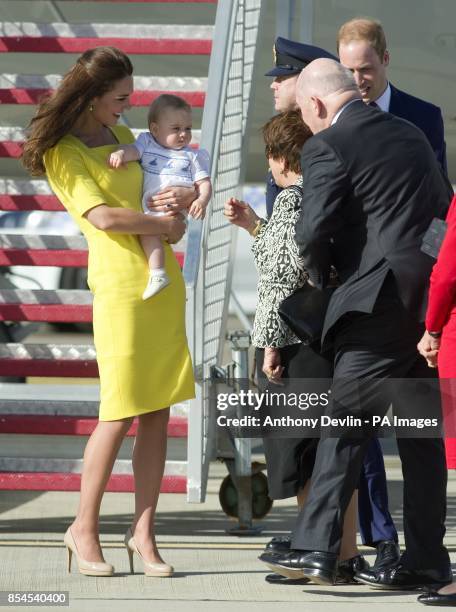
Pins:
x: 370, y: 350
x: 290, y: 461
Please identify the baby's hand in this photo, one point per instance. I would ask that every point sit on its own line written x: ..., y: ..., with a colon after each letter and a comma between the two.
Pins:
x: 197, y: 210
x: 115, y: 160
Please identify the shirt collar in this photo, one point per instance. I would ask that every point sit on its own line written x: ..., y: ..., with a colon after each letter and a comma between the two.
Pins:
x: 383, y: 101
x: 341, y: 110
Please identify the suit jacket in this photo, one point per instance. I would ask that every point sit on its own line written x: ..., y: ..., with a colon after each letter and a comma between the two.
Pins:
x: 371, y: 187
x: 424, y: 115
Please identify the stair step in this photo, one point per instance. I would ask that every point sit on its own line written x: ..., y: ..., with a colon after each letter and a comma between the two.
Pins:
x: 74, y: 466
x: 162, y: 1
x: 59, y: 37
x: 61, y: 305
x: 66, y: 360
x: 11, y: 139
x: 48, y: 250
x: 43, y: 250
x: 73, y: 425
x: 58, y: 400
x: 61, y: 481
x: 29, y: 88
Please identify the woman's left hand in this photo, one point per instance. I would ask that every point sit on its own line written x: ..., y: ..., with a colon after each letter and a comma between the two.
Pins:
x: 173, y: 199
x: 271, y: 365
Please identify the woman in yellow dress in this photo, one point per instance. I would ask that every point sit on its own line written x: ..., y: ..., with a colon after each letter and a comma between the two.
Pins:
x: 142, y: 351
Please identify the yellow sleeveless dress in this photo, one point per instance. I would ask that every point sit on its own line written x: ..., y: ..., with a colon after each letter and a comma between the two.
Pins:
x: 142, y: 350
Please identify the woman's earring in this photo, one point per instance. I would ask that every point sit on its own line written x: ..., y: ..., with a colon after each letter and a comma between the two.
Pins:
x: 91, y: 108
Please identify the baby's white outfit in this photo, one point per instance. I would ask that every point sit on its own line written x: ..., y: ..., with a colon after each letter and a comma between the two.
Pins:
x: 164, y: 167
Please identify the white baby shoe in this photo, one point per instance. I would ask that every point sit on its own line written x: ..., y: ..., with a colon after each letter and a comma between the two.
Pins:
x: 156, y: 283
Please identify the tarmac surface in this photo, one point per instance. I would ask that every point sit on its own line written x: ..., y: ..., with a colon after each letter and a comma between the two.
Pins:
x: 214, y: 570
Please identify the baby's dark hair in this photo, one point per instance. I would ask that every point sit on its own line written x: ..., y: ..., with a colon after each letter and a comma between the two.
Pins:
x: 164, y: 102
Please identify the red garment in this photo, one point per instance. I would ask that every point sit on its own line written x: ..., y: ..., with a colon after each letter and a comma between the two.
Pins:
x: 441, y: 316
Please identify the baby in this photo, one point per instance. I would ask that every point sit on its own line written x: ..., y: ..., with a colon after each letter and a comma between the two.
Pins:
x: 167, y: 161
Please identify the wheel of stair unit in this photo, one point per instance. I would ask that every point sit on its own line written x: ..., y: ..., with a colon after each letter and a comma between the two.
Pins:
x: 261, y: 502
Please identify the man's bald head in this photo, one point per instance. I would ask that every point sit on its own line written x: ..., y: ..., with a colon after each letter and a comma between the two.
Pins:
x: 324, y: 77
x: 323, y: 87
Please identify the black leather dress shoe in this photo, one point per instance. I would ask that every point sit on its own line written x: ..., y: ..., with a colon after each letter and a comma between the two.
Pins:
x: 278, y: 579
x: 388, y: 555
x: 320, y: 567
x: 400, y: 578
x: 347, y: 569
x: 280, y: 545
x: 432, y: 598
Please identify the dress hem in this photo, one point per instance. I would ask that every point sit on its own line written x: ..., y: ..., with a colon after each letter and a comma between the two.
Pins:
x: 135, y: 413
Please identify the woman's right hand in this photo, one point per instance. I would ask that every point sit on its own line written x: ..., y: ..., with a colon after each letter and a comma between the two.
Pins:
x: 272, y: 365
x: 241, y: 214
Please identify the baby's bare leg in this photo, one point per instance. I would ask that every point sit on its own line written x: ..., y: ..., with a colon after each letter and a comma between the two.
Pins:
x: 153, y: 248
x: 158, y: 279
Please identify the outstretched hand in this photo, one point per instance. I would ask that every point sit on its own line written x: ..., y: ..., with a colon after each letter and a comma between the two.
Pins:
x: 241, y: 214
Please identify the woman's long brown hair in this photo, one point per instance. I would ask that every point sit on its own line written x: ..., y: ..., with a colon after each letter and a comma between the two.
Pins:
x: 93, y: 75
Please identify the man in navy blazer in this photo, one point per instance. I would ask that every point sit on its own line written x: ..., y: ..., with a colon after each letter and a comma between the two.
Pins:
x: 361, y: 44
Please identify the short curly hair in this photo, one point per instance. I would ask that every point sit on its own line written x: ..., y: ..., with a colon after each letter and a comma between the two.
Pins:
x: 284, y: 136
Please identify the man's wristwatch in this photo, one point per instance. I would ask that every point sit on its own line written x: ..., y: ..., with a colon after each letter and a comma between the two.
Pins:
x: 434, y: 334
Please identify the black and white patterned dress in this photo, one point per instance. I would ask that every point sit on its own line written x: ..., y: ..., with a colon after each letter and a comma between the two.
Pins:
x: 280, y: 269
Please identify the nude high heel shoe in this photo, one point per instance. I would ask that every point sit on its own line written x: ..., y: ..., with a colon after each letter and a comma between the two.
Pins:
x: 88, y: 568
x: 162, y: 570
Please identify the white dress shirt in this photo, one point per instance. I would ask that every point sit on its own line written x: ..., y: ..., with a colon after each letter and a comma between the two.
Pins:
x: 341, y: 110
x: 383, y: 101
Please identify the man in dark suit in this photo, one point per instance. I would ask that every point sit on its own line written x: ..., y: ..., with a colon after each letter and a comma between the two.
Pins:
x: 372, y: 186
x: 362, y: 48
x: 376, y: 525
